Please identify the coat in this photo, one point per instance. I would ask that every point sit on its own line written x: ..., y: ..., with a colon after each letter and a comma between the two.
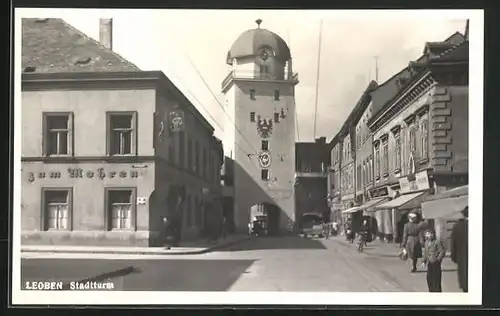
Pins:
x: 460, y: 251
x: 434, y: 251
x: 412, y: 240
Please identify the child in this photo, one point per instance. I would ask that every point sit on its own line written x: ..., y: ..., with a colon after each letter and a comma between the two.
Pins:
x: 433, y: 255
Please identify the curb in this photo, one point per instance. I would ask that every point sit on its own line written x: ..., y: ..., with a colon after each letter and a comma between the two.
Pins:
x: 165, y: 253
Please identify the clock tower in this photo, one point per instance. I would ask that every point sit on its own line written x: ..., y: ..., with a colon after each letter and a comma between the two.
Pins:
x: 259, y: 131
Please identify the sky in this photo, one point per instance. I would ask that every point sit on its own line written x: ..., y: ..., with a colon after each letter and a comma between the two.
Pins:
x: 186, y: 43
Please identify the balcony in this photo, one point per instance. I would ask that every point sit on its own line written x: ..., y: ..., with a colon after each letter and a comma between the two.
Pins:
x: 257, y: 76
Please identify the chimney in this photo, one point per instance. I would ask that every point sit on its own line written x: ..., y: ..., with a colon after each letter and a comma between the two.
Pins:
x: 106, y: 33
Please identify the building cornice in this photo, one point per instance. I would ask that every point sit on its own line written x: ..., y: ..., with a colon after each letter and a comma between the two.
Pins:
x: 111, y: 80
x: 410, y: 94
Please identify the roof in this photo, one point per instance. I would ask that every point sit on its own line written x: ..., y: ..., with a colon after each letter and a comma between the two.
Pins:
x: 52, y: 45
x: 389, y: 89
x: 250, y: 42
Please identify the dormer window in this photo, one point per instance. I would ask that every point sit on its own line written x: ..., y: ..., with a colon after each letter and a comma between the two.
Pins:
x: 252, y: 94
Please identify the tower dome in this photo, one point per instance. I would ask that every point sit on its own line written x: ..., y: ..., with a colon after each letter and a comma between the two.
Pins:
x: 252, y: 41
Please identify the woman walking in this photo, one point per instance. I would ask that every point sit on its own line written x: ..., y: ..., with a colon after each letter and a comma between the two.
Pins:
x: 434, y: 253
x: 412, y: 240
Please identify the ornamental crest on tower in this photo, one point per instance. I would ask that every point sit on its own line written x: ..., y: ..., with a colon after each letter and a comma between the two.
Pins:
x: 264, y: 127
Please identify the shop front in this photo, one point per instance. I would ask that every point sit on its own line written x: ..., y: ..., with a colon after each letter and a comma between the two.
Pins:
x: 413, y: 189
x: 444, y: 209
x: 381, y: 217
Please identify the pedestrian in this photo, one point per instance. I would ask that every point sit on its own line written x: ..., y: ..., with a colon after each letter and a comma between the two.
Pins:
x: 335, y: 228
x: 412, y: 240
x: 349, y: 233
x: 364, y: 232
x: 434, y: 253
x: 460, y: 249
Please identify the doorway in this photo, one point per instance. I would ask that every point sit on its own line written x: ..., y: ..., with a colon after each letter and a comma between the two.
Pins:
x: 272, y: 212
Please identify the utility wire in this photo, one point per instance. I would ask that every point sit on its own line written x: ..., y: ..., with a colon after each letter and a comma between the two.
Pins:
x: 317, y: 78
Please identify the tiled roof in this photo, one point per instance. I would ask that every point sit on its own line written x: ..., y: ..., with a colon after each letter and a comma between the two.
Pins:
x: 52, y: 45
x: 389, y: 89
x: 459, y: 52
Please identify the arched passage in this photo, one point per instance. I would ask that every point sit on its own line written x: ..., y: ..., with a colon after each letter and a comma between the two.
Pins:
x: 270, y: 214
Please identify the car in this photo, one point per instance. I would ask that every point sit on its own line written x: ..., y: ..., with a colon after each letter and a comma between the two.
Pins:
x: 312, y: 225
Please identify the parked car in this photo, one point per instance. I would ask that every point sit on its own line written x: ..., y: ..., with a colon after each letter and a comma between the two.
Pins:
x: 312, y: 225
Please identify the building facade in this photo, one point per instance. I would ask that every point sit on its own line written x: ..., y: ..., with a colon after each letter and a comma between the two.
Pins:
x: 420, y: 135
x: 334, y: 178
x: 108, y: 150
x: 260, y: 128
x: 311, y: 178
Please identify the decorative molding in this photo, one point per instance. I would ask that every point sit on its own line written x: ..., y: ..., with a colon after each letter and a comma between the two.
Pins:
x: 406, y: 97
x: 376, y: 142
x: 410, y: 119
x: 396, y: 129
x: 421, y: 111
x: 384, y: 137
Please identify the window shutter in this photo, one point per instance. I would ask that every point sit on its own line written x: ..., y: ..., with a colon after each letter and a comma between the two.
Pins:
x: 135, y: 133
x: 71, y: 134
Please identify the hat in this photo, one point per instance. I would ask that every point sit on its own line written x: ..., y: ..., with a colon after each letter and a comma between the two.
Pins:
x: 412, y: 215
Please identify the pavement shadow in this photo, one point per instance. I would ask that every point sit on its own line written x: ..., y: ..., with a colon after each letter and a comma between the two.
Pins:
x: 277, y: 243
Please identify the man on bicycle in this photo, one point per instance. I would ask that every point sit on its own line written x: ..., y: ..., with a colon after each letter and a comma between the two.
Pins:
x: 363, y: 232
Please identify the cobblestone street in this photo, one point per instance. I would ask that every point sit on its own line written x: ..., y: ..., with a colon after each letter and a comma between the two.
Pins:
x: 261, y: 264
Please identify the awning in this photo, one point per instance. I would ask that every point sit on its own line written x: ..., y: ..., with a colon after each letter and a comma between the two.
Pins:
x: 352, y: 210
x: 370, y: 204
x: 448, y: 208
x: 406, y: 201
x: 455, y: 192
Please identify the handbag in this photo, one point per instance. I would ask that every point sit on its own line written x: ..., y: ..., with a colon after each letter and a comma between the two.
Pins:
x: 403, y: 255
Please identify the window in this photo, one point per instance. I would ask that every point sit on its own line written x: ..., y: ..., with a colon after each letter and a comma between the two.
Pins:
x: 57, y: 134
x: 252, y: 94
x: 358, y: 177
x: 412, y: 139
x: 397, y: 152
x: 276, y: 117
x: 377, y: 162
x: 182, y: 148
x: 264, y: 70
x: 424, y: 125
x: 370, y: 170
x: 190, y: 165
x: 265, y: 145
x: 276, y: 95
x: 57, y: 209
x: 264, y: 174
x: 122, y: 133
x: 171, y: 152
x: 252, y: 117
x: 385, y: 153
x: 205, y: 164
x: 363, y: 176
x: 120, y: 208
x: 197, y: 158
x: 402, y: 142
x: 210, y: 165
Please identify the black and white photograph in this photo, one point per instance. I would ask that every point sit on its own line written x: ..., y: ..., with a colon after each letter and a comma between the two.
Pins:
x: 175, y: 156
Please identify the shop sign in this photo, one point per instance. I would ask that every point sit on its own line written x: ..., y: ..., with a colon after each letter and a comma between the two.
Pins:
x: 380, y: 192
x: 79, y: 173
x: 416, y: 182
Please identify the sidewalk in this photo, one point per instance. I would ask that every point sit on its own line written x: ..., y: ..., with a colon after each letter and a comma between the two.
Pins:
x: 186, y: 248
x: 385, y: 257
